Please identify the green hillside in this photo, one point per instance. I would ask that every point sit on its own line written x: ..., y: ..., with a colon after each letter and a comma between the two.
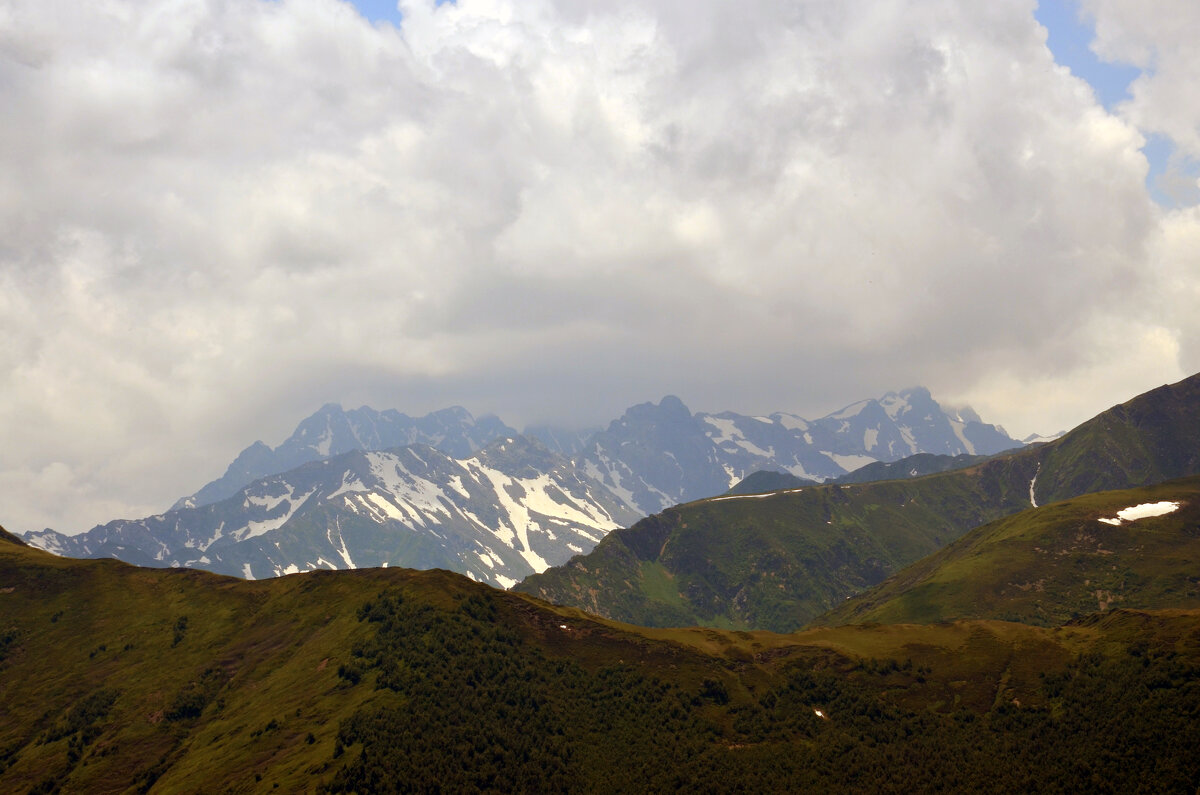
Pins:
x: 119, y: 679
x: 1152, y: 438
x: 772, y: 562
x: 778, y: 561
x: 1047, y: 565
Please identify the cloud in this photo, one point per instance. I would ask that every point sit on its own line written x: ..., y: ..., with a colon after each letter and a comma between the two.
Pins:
x: 1162, y: 103
x: 216, y: 215
x: 1162, y: 44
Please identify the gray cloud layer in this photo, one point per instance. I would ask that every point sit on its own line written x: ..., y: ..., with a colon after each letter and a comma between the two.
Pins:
x: 217, y: 214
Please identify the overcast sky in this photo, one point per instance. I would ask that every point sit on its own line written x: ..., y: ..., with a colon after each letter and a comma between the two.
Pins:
x: 216, y: 215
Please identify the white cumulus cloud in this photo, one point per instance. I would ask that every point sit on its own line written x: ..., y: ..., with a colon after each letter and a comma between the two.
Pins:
x: 217, y: 214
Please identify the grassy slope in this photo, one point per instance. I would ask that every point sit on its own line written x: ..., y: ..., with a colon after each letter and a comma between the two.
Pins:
x: 381, y: 680
x: 1154, y: 437
x: 1047, y: 565
x: 778, y: 562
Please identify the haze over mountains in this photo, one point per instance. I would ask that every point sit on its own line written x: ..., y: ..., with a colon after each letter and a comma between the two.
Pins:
x: 475, y: 497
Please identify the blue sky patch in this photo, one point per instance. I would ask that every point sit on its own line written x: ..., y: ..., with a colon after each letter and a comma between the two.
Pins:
x: 379, y: 10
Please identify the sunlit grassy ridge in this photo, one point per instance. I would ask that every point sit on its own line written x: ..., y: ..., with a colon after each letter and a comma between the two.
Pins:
x: 777, y: 562
x: 114, y: 678
x: 1049, y: 565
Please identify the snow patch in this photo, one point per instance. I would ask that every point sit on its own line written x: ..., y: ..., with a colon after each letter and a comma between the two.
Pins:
x: 350, y: 483
x: 850, y: 462
x: 853, y: 410
x: 894, y: 405
x: 753, y: 496
x: 323, y: 444
x: 791, y: 422
x: 254, y: 529
x: 729, y: 473
x: 957, y: 426
x: 1143, y: 511
x: 727, y: 432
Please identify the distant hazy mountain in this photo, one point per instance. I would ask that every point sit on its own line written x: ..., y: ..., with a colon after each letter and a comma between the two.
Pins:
x: 660, y: 455
x: 914, y: 466
x: 567, y: 442
x: 765, y: 480
x: 512, y: 509
x: 333, y: 430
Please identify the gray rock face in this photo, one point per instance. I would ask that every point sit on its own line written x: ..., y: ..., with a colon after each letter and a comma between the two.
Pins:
x: 567, y: 442
x: 658, y: 456
x: 512, y: 509
x: 332, y: 431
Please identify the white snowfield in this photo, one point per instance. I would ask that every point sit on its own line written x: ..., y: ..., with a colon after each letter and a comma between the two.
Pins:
x: 1143, y: 511
x: 753, y: 496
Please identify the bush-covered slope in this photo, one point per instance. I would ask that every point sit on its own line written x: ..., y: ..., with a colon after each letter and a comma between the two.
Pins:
x: 778, y: 561
x: 1050, y: 564
x: 114, y: 678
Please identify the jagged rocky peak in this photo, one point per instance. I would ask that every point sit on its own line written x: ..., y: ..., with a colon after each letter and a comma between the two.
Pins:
x: 670, y: 408
x: 567, y: 442
x: 331, y: 431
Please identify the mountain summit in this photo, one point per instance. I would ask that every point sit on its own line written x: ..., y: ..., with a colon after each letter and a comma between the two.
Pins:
x: 333, y: 431
x: 656, y: 456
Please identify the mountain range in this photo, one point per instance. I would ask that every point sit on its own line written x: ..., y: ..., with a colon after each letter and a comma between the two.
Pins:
x: 510, y: 510
x: 777, y: 560
x: 369, y: 488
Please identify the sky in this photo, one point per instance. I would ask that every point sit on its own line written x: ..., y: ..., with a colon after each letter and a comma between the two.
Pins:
x: 218, y: 215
